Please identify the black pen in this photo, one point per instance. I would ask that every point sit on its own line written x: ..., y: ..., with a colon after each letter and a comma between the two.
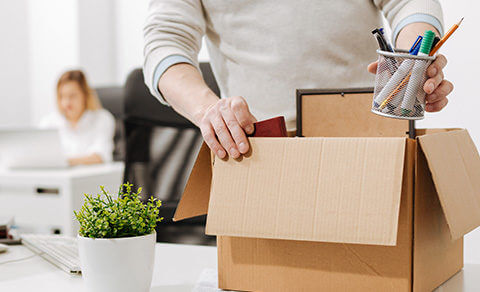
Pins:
x: 380, y: 39
x: 435, y: 41
x: 389, y: 47
x: 384, y: 46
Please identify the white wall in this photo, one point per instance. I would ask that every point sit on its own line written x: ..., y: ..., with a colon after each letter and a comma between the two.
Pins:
x: 64, y: 35
x: 14, y: 77
x: 45, y: 38
x: 130, y: 18
x: 464, y: 106
x: 462, y: 110
x: 54, y: 47
x: 97, y: 41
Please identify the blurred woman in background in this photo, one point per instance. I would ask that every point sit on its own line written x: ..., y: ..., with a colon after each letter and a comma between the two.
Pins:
x: 86, y: 129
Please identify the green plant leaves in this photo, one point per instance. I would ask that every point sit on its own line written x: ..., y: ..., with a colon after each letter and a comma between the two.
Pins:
x: 103, y: 216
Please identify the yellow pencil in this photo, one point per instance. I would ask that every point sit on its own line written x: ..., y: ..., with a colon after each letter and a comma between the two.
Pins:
x: 445, y: 37
x: 397, y: 89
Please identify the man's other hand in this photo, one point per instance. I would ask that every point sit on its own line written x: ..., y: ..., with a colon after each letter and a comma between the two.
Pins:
x: 224, y: 125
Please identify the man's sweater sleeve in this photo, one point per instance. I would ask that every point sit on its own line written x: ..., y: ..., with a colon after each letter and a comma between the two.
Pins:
x: 173, y: 34
x: 400, y: 13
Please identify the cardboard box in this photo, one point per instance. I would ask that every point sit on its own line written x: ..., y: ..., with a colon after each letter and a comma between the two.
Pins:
x: 329, y: 213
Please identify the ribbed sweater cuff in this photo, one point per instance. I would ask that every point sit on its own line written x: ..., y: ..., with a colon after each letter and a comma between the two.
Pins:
x: 161, y: 68
x: 417, y: 17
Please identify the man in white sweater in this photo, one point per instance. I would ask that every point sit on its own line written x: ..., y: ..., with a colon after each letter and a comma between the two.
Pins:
x: 262, y: 51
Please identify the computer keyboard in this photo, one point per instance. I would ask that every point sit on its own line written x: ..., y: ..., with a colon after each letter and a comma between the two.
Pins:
x: 61, y: 251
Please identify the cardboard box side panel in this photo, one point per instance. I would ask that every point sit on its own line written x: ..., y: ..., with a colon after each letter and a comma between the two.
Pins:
x: 195, y: 198
x: 454, y: 163
x: 251, y: 264
x: 317, y: 189
x: 334, y: 115
x: 436, y: 257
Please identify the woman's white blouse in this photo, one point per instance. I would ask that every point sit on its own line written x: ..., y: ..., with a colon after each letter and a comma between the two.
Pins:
x: 93, y: 133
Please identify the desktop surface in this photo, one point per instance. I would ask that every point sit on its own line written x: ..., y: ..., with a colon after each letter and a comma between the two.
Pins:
x: 177, y: 268
x: 79, y: 170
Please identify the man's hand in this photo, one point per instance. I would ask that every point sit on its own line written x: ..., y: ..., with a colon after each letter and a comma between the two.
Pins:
x: 436, y: 87
x: 224, y: 124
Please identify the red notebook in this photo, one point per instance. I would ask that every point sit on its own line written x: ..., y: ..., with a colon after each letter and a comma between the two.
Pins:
x: 274, y: 127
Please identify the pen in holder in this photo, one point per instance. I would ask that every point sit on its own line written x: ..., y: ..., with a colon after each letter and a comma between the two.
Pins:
x: 399, y: 85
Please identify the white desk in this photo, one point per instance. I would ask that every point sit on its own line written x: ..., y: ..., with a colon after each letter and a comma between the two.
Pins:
x: 177, y: 269
x: 44, y: 199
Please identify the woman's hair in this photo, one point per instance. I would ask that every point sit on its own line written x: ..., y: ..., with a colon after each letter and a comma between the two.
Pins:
x: 91, y: 99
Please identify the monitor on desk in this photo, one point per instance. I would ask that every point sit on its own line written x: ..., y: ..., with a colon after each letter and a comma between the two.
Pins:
x: 31, y: 148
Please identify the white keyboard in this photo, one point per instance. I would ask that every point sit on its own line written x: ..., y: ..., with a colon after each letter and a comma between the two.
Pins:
x: 61, y: 251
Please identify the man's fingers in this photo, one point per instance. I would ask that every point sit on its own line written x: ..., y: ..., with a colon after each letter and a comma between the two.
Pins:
x: 445, y: 88
x: 372, y: 67
x: 235, y: 129
x: 437, y: 66
x: 243, y: 115
x: 436, y: 106
x: 436, y: 87
x: 209, y: 136
x: 224, y: 125
x: 432, y: 83
x: 225, y: 137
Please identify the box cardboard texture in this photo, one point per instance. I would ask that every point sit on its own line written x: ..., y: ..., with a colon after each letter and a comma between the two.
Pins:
x: 334, y: 213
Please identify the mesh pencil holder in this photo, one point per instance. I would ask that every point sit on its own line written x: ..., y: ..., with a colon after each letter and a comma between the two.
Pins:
x: 399, y: 85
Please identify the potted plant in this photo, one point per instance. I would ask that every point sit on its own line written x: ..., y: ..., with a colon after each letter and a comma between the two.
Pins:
x: 116, y: 241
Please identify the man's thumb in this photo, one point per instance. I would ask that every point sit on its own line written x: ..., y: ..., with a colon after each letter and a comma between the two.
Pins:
x: 372, y: 67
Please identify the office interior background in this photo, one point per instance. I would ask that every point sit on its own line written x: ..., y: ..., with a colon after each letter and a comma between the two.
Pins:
x: 41, y: 39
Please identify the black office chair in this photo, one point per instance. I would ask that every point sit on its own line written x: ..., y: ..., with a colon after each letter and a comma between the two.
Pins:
x: 161, y: 147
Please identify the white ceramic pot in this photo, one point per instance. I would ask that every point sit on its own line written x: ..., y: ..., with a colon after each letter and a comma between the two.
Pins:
x: 117, y: 264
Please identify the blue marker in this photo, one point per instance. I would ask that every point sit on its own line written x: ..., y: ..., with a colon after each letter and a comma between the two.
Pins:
x: 417, y: 49
x: 416, y: 46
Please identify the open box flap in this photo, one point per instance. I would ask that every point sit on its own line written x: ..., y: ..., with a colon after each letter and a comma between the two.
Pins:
x: 317, y: 189
x: 455, y: 166
x: 195, y: 197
